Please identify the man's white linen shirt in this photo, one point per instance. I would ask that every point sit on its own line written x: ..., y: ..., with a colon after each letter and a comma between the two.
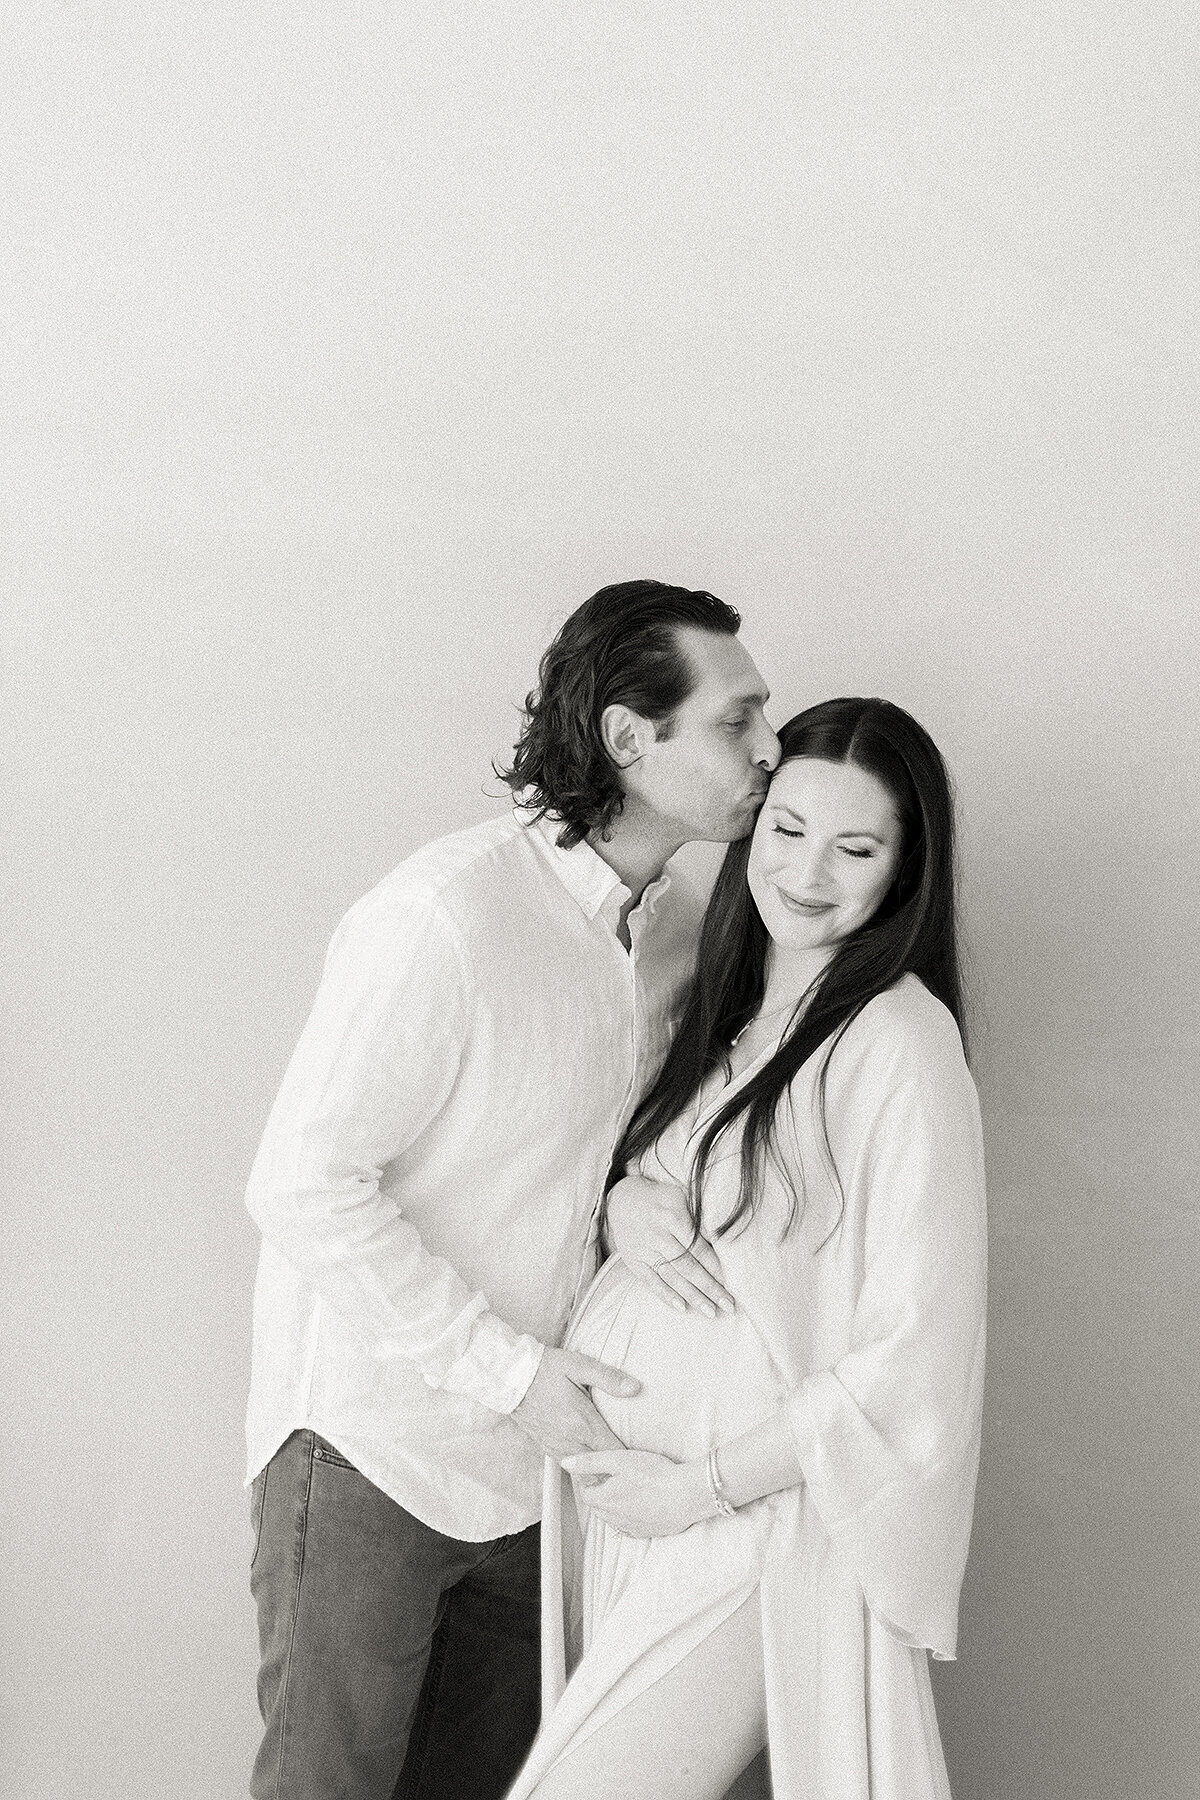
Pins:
x: 433, y: 1162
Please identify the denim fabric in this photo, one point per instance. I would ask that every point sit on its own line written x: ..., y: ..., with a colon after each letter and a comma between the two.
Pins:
x: 397, y: 1664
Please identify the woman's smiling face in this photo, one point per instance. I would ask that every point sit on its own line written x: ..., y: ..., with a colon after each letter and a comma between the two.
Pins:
x: 825, y: 851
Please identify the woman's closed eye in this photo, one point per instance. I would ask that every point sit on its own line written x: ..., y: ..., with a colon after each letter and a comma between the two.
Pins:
x: 846, y: 849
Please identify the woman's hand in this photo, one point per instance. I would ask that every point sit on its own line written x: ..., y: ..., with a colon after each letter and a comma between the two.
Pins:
x: 641, y: 1494
x: 650, y: 1229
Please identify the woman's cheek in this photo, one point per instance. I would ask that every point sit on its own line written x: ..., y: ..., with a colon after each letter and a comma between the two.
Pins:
x: 775, y: 864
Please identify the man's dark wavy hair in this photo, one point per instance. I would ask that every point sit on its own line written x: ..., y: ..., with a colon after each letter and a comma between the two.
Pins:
x: 619, y: 648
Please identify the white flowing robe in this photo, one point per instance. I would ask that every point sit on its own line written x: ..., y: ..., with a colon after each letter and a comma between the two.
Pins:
x: 872, y: 1313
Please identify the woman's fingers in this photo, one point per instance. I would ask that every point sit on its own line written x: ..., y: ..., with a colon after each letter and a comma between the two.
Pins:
x: 688, y: 1277
x: 705, y: 1254
x: 664, y: 1290
x: 589, y: 1462
x: 685, y: 1295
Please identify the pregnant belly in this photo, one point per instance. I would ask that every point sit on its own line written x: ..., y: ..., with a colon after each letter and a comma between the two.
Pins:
x: 703, y: 1380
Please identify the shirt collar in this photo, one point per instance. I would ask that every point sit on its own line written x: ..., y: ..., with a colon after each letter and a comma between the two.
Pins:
x: 585, y: 875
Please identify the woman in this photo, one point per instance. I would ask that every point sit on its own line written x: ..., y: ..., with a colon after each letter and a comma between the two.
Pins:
x: 784, y: 1539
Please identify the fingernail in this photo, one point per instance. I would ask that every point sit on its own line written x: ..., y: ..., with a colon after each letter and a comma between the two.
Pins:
x: 710, y: 1312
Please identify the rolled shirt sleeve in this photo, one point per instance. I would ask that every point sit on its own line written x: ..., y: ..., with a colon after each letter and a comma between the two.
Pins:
x: 373, y: 1067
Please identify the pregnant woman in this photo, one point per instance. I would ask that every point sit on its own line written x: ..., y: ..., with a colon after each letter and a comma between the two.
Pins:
x: 783, y: 1541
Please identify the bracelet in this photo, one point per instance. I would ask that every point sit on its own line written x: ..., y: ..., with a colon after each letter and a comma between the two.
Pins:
x: 716, y: 1488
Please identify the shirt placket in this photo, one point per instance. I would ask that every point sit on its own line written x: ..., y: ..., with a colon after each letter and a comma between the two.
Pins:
x: 590, y: 1259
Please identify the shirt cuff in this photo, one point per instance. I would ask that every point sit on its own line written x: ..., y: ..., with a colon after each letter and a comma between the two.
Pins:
x: 497, y: 1366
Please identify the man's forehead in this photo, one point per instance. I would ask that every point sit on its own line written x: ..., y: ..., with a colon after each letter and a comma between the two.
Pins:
x: 724, y: 669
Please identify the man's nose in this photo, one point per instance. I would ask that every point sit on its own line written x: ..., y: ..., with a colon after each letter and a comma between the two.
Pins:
x: 768, y: 749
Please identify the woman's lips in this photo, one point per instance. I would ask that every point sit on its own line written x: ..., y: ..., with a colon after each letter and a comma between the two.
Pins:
x: 809, y: 907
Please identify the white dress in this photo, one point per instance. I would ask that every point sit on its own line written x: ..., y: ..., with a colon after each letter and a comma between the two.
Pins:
x: 866, y: 1322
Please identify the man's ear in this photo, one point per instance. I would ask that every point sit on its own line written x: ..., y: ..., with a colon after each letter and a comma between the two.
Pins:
x: 627, y: 735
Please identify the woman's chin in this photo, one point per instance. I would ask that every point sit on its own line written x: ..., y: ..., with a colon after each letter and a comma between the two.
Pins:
x: 801, y: 937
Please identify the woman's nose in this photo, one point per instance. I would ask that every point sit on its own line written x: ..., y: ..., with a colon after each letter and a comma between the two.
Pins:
x: 811, y: 868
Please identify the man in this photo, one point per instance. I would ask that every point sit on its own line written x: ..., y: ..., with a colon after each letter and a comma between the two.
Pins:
x: 488, y: 1016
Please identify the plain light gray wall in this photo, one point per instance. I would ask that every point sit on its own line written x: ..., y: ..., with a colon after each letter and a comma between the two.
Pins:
x: 347, y: 350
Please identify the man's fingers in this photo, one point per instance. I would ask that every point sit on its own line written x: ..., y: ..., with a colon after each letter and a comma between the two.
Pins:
x: 591, y: 1436
x: 601, y: 1436
x: 588, y: 1371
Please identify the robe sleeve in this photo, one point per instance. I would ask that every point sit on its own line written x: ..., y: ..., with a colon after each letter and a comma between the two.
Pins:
x: 888, y: 1436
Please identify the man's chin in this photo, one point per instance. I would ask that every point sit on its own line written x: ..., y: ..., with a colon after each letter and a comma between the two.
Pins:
x: 735, y: 829
x: 743, y: 821
x: 732, y: 828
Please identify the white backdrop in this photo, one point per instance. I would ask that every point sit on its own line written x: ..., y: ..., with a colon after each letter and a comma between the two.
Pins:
x: 348, y: 350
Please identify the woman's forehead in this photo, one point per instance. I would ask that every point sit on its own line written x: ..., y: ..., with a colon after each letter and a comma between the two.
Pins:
x: 805, y: 785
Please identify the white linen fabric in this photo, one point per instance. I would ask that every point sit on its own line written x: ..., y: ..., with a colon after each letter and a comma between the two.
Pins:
x: 431, y: 1168
x: 867, y: 1324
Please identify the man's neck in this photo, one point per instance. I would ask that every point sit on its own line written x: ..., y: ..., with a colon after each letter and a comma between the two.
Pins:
x: 637, y: 850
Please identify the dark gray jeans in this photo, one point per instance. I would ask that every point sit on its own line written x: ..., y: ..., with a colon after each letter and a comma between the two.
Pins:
x: 397, y: 1664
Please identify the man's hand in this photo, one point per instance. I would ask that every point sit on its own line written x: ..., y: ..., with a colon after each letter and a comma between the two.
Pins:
x: 650, y: 1229
x: 557, y: 1410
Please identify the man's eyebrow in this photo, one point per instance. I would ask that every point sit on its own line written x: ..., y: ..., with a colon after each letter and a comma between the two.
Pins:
x: 781, y: 806
x: 759, y: 697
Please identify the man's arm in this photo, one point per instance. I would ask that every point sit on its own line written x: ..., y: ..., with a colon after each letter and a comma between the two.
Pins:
x: 374, y: 1066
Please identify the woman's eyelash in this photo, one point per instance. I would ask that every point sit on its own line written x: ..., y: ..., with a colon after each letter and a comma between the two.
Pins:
x: 784, y: 832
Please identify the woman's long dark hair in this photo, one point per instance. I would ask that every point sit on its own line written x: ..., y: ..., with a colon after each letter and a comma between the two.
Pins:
x: 912, y: 931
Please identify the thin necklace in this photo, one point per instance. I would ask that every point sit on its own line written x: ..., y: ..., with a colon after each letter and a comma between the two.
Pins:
x: 788, y: 1006
x: 700, y: 1092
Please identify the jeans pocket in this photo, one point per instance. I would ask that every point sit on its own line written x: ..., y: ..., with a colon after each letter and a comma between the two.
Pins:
x: 323, y: 1452
x: 258, y: 1496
